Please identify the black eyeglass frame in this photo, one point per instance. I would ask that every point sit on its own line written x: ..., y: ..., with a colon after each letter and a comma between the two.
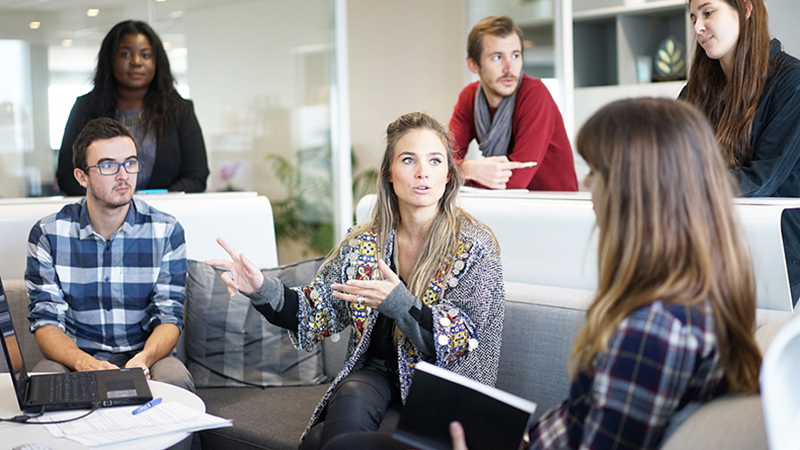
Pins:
x: 123, y: 164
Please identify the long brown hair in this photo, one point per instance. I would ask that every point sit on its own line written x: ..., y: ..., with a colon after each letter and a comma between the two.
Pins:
x: 731, y: 104
x: 667, y: 229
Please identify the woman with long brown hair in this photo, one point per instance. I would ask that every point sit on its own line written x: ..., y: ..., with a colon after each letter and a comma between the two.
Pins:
x: 750, y: 91
x: 422, y: 280
x: 672, y: 322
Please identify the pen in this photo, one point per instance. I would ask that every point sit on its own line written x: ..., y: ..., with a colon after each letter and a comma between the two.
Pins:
x: 147, y: 406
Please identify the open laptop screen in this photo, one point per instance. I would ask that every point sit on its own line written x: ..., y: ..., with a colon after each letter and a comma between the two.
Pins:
x: 11, y: 346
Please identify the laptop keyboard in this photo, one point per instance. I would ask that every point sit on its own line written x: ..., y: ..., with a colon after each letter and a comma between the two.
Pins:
x: 73, y: 386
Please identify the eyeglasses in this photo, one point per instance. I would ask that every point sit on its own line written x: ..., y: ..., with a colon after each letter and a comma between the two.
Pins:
x: 112, y: 167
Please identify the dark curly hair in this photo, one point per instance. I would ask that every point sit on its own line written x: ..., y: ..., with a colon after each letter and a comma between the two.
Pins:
x: 161, y: 101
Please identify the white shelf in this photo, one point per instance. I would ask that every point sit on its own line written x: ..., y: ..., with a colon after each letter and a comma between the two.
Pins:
x: 638, y: 8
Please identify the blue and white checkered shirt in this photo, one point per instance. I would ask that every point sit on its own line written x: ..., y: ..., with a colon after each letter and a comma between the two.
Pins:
x: 107, y: 296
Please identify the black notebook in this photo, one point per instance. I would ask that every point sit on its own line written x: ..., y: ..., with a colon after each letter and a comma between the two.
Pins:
x: 60, y: 391
x: 492, y: 419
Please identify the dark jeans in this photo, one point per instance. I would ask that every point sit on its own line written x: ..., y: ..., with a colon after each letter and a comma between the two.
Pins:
x: 367, y: 400
x: 365, y: 440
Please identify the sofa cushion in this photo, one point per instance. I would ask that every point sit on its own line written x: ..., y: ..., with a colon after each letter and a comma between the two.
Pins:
x: 731, y: 422
x: 271, y: 418
x: 538, y: 331
x: 228, y: 342
x: 17, y: 297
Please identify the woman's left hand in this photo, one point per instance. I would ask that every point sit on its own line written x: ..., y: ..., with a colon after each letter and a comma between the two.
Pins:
x: 368, y: 292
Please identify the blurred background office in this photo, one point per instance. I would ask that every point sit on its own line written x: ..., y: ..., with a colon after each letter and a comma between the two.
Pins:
x: 294, y: 97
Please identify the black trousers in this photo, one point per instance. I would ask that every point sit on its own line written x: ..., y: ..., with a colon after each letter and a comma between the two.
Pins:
x: 367, y: 400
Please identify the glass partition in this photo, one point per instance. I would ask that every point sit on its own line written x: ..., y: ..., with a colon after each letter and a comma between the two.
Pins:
x: 260, y: 74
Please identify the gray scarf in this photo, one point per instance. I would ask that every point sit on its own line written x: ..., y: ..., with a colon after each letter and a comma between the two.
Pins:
x: 494, y: 134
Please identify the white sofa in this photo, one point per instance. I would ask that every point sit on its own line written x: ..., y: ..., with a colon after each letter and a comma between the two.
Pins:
x: 540, y: 326
x: 549, y: 239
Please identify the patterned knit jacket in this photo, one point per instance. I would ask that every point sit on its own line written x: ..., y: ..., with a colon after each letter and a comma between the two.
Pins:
x: 466, y: 296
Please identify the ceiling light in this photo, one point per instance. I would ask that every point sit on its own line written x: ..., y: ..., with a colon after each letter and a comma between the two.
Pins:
x: 66, y: 43
x: 160, y: 1
x: 92, y: 12
x: 167, y: 45
x: 34, y: 25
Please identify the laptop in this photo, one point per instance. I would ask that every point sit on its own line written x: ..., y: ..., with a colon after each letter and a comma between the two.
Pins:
x: 64, y: 391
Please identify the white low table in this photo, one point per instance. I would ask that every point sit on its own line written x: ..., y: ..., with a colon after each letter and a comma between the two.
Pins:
x: 14, y: 434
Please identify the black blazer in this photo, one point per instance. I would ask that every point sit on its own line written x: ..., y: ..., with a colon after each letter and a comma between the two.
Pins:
x: 181, y: 163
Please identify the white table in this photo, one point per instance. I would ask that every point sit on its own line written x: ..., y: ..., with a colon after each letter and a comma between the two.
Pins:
x: 14, y: 434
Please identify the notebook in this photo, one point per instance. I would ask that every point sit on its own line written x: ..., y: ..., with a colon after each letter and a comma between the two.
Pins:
x: 76, y: 390
x: 492, y: 419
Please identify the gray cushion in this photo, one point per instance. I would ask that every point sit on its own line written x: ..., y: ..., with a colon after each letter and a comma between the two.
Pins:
x: 539, y: 328
x: 17, y: 297
x: 272, y: 418
x: 732, y: 422
x: 230, y: 344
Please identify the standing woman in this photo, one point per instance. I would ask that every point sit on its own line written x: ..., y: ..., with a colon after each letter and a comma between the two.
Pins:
x: 422, y: 280
x: 133, y: 84
x: 750, y: 91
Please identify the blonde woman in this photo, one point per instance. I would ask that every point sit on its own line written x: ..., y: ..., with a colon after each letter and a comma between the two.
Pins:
x: 672, y: 322
x: 422, y: 280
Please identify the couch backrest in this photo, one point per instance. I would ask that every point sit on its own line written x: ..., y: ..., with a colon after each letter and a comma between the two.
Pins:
x: 549, y: 238
x: 243, y: 218
x: 540, y: 326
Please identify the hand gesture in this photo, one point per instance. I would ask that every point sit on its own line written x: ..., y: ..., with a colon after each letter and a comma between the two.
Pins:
x: 242, y: 275
x: 368, y: 292
x: 492, y: 172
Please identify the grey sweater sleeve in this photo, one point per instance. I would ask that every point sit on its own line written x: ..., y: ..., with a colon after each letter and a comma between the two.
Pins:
x: 277, y: 303
x: 271, y: 293
x: 411, y: 317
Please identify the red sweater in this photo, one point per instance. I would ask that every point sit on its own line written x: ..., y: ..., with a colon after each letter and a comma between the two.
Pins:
x: 537, y: 134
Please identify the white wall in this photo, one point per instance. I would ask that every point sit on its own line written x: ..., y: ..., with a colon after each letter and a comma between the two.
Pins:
x: 783, y: 24
x: 404, y: 56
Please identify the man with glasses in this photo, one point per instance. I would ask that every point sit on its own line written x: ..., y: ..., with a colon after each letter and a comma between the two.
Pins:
x: 106, y: 275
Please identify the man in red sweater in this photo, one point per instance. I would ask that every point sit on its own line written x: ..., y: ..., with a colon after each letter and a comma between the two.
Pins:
x: 511, y: 115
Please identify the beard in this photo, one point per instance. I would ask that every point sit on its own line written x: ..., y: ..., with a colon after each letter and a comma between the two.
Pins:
x: 112, y: 200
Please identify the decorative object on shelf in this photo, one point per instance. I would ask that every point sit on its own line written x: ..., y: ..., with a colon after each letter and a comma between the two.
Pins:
x: 670, y: 60
x: 644, y: 68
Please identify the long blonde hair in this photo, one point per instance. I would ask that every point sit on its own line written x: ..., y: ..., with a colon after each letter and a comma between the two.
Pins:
x: 667, y: 229
x: 442, y: 239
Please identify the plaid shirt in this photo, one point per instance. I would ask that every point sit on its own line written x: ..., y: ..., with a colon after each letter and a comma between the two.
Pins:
x: 107, y: 296
x: 659, y: 358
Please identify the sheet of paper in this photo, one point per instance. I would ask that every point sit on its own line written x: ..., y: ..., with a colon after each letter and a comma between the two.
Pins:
x: 112, y: 425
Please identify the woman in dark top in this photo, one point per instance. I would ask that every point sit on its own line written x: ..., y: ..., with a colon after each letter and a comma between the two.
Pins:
x: 750, y: 91
x: 421, y: 280
x: 133, y: 84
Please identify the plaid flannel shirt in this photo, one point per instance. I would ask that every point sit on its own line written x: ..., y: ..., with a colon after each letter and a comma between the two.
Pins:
x: 107, y: 296
x: 659, y: 358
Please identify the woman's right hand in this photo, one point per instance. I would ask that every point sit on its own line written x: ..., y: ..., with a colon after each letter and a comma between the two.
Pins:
x: 242, y: 275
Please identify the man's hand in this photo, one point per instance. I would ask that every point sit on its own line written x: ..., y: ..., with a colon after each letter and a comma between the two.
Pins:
x: 138, y: 361
x: 492, y: 172
x: 89, y: 363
